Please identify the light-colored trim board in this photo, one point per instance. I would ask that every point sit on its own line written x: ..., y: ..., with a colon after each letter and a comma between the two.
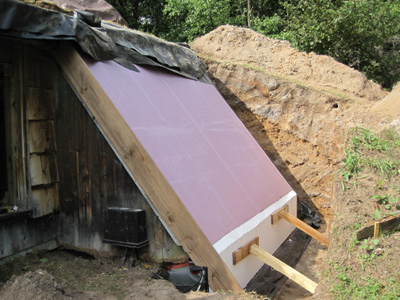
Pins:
x: 148, y: 176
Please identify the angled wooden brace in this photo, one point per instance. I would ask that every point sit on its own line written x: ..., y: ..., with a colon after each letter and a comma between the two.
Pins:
x: 284, y: 214
x: 253, y: 248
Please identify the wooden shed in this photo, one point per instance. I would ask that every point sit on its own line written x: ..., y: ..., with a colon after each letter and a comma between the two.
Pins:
x: 102, y: 116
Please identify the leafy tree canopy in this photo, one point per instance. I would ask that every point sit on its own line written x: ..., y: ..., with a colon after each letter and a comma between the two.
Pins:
x: 364, y: 34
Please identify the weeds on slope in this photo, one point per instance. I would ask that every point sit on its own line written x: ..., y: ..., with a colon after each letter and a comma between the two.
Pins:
x: 367, y: 189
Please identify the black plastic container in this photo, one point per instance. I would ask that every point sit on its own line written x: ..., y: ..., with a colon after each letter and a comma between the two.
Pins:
x: 125, y: 227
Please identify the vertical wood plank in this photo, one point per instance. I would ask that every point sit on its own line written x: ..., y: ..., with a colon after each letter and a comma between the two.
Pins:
x: 47, y: 197
x: 39, y: 104
x: 41, y: 137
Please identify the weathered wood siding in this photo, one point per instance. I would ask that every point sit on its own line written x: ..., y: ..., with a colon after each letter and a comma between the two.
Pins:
x: 38, y: 79
x: 20, y: 232
x: 92, y: 179
x: 63, y: 166
x: 21, y: 235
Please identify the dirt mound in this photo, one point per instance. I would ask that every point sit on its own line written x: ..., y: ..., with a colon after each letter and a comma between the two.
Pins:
x: 390, y: 105
x: 298, y: 106
x: 278, y: 58
x: 32, y: 285
x: 62, y: 275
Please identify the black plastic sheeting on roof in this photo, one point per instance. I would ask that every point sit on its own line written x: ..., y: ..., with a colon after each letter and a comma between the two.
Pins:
x: 106, y: 42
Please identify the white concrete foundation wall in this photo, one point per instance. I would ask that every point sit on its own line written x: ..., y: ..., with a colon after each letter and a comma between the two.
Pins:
x: 271, y: 237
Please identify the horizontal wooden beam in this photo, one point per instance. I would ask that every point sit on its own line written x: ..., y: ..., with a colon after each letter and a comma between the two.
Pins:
x: 304, y: 227
x: 283, y: 268
x: 244, y: 251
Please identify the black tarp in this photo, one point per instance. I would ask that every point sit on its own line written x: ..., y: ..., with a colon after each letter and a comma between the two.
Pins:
x: 101, y: 40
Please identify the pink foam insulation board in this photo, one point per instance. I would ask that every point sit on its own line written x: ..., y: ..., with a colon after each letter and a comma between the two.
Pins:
x: 207, y: 155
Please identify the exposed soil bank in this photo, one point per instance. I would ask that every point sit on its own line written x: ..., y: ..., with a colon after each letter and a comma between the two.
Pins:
x: 298, y: 106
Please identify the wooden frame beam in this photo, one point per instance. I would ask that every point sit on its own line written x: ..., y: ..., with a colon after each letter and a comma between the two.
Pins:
x: 138, y: 162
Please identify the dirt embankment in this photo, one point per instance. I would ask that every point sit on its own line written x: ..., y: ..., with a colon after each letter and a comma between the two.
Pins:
x: 298, y: 106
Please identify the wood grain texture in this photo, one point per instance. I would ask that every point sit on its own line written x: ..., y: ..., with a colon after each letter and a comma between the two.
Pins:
x: 146, y: 173
x: 244, y: 251
x: 41, y: 136
x: 275, y: 217
x: 39, y: 104
x: 43, y: 169
x: 304, y: 227
x: 48, y: 199
x: 283, y: 268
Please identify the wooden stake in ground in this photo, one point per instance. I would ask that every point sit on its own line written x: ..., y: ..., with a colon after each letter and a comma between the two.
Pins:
x: 376, y: 227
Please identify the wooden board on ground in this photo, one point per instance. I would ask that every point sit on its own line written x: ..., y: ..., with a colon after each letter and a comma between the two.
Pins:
x: 385, y: 224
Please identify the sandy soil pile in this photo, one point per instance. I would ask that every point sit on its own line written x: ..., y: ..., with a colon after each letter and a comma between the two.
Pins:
x: 245, y: 46
x: 32, y: 285
x: 62, y: 275
x: 298, y: 106
x: 390, y: 105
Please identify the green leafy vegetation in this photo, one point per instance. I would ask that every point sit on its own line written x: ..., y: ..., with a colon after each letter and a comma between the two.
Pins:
x: 356, y: 33
x: 367, y: 150
x: 366, y: 268
x: 350, y: 287
x: 363, y: 34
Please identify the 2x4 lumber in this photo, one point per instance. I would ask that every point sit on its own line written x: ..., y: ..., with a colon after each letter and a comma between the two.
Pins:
x: 304, y: 227
x: 147, y: 175
x: 244, y: 251
x: 384, y: 224
x: 283, y: 268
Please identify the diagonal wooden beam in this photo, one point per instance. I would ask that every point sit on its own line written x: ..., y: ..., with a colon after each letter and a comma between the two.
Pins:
x: 283, y: 268
x: 146, y: 174
x: 283, y: 214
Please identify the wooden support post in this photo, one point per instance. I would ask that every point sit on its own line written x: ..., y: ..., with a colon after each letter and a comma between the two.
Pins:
x: 304, y: 227
x: 283, y: 268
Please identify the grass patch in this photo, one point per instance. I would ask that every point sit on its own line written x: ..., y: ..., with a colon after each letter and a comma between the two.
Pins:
x: 367, y: 189
x: 368, y: 150
x: 350, y: 286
